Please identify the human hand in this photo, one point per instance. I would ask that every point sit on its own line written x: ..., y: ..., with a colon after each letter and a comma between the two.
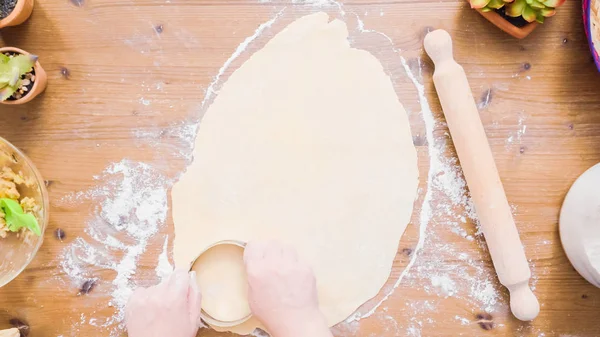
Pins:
x: 171, y: 308
x: 282, y: 291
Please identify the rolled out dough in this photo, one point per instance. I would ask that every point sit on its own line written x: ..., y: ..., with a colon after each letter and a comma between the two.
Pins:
x: 308, y: 144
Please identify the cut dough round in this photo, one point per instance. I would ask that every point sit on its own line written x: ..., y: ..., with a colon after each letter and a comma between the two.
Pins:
x: 580, y: 225
x: 306, y: 143
x: 221, y: 276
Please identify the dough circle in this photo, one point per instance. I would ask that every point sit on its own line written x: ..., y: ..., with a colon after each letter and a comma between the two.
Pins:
x: 579, y: 225
x: 306, y: 143
x: 221, y: 275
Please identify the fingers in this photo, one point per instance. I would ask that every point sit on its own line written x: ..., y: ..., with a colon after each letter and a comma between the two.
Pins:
x: 178, y: 284
x: 183, y: 284
x: 194, y: 299
x: 267, y: 254
x: 255, y: 251
x: 260, y: 250
x: 138, y: 293
x: 138, y: 296
x: 289, y: 254
x: 273, y: 249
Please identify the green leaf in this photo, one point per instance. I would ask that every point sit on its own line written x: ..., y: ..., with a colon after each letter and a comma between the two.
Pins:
x: 540, y: 18
x: 537, y: 5
x: 23, y: 63
x: 4, y: 68
x: 547, y: 12
x: 516, y: 8
x: 15, y: 75
x: 478, y: 4
x: 16, y: 218
x: 529, y: 14
x: 11, y: 70
x: 553, y: 3
x: 495, y: 4
x: 6, y: 92
x: 5, y: 74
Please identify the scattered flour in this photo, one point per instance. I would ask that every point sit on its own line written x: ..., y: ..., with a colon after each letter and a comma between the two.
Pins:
x: 446, y: 203
x: 211, y: 91
x: 182, y: 132
x: 486, y: 101
x: 485, y: 292
x: 144, y: 101
x: 517, y: 136
x: 462, y: 320
x: 164, y: 267
x: 445, y: 180
x: 131, y: 206
x: 259, y: 333
x: 316, y: 3
x: 444, y: 283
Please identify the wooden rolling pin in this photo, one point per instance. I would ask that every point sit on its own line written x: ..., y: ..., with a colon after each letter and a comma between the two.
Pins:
x: 482, y: 176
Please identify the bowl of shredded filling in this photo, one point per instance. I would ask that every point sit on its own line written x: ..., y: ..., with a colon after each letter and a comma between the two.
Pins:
x: 23, y: 211
x: 591, y: 21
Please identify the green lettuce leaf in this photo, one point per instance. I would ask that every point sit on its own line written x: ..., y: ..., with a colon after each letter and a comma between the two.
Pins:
x: 16, y: 218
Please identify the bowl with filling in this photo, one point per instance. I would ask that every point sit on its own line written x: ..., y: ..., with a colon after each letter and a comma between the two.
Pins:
x: 23, y: 211
x: 591, y: 21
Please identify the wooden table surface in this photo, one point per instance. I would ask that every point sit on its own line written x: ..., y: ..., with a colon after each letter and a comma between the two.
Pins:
x: 120, y: 69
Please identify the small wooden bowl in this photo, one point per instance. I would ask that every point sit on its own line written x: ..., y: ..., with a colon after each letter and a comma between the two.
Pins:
x: 20, y: 14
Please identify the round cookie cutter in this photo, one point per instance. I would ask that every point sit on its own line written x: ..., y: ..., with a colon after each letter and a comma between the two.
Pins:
x: 205, y: 316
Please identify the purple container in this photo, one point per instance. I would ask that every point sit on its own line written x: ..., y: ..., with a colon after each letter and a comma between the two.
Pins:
x: 587, y: 21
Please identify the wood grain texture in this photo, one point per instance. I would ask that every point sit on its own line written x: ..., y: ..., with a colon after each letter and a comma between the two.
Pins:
x: 113, y: 76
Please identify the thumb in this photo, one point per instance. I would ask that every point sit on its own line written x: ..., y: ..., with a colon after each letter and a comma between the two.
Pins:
x: 194, y: 300
x: 179, y: 283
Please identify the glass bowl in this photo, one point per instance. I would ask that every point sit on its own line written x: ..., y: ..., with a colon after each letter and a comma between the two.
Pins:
x: 15, y: 252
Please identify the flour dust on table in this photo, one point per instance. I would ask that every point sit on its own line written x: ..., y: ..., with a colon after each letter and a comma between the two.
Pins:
x: 306, y: 143
x: 131, y: 207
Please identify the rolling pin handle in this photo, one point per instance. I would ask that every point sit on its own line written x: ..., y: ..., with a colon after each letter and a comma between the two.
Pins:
x: 438, y: 45
x: 523, y: 303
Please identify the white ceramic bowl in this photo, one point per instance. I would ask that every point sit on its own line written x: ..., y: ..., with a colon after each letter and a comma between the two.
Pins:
x: 579, y: 225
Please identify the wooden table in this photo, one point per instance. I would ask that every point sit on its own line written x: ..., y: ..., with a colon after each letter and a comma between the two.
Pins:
x: 118, y: 67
